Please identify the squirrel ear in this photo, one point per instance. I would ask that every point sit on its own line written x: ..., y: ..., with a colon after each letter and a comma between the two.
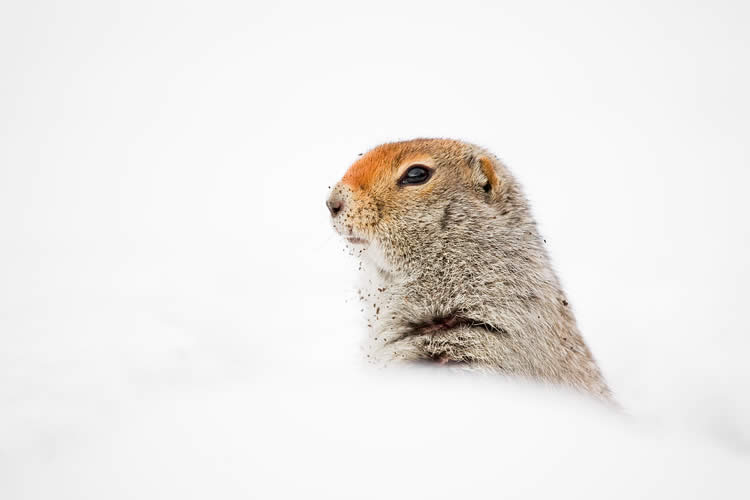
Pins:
x: 484, y: 173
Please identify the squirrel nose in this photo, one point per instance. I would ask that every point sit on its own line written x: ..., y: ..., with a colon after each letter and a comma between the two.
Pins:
x: 334, y: 206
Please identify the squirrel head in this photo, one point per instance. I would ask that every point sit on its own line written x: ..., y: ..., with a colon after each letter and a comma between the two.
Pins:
x: 403, y: 203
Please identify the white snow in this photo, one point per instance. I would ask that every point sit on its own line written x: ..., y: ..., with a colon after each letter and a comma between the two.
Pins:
x: 177, y: 318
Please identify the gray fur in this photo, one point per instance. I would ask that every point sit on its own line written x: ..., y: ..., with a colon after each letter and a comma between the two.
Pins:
x: 460, y: 274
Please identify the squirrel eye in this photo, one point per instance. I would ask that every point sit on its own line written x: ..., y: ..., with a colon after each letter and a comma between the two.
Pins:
x: 417, y: 174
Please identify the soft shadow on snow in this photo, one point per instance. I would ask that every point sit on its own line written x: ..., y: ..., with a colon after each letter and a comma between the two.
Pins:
x: 354, y: 434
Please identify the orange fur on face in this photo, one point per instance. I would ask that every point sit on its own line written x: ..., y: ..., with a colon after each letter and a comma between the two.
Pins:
x: 362, y: 174
x: 386, y: 160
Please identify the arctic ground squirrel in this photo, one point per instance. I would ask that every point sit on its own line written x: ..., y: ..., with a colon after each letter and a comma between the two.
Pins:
x: 459, y: 273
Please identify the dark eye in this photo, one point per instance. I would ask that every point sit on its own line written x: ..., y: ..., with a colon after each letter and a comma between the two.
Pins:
x: 417, y: 174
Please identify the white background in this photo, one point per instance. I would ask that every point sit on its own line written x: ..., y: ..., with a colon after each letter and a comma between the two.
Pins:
x: 176, y: 314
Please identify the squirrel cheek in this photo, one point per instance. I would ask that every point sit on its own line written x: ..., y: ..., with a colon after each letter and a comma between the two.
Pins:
x: 363, y: 211
x: 368, y: 214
